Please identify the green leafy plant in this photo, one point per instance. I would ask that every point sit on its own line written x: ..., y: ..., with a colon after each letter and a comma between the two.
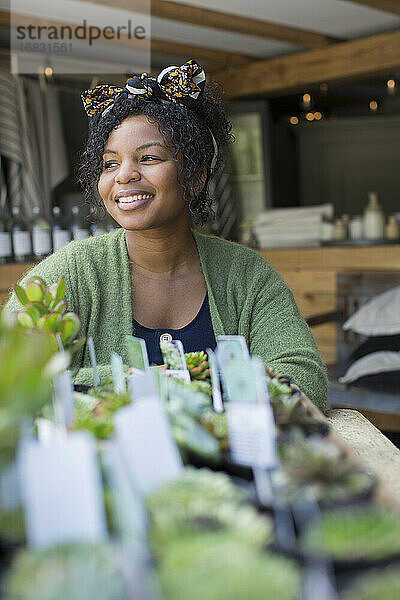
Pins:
x: 171, y: 356
x: 376, y: 585
x: 66, y: 572
x: 46, y: 309
x: 193, y: 431
x: 216, y: 565
x: 94, y: 411
x: 371, y: 533
x: 323, y: 466
x: 198, y: 365
x: 202, y: 501
x: 27, y: 367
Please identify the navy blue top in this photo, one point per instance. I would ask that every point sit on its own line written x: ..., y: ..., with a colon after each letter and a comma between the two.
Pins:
x: 197, y: 335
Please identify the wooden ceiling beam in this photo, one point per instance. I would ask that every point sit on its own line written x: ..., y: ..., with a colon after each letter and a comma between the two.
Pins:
x: 390, y: 6
x: 372, y: 55
x: 193, y: 15
x: 218, y: 59
x: 215, y: 19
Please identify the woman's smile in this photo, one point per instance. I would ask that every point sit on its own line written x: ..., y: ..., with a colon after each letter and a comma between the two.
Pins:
x: 132, y: 199
x: 139, y: 184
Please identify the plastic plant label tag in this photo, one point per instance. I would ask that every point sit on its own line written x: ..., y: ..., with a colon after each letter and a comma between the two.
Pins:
x: 61, y: 491
x: 118, y: 375
x: 131, y: 523
x: 174, y: 355
x: 239, y: 382
x: 215, y: 385
x: 10, y: 495
x: 251, y: 432
x: 137, y: 352
x: 260, y: 378
x: 49, y: 433
x: 130, y: 511
x: 93, y: 360
x: 64, y: 411
x: 232, y: 346
x: 147, y: 446
x: 142, y: 384
x: 179, y: 374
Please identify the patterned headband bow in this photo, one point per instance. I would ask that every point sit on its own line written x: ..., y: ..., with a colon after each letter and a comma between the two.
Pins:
x: 182, y: 85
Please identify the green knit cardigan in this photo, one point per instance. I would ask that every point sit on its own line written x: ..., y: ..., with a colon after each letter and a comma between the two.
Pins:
x: 246, y: 295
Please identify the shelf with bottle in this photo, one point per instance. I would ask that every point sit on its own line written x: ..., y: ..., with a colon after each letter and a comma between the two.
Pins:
x: 370, y: 228
x: 24, y: 241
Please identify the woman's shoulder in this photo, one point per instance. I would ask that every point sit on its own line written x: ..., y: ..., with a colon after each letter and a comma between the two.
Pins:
x: 216, y: 247
x: 92, y: 246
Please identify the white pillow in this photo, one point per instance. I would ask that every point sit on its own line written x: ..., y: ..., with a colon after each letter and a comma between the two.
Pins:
x: 376, y: 362
x: 379, y: 316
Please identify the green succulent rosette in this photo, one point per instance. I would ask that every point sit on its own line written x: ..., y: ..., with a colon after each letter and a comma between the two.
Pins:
x: 214, y: 566
x: 376, y: 585
x: 67, y: 572
x: 45, y: 308
x: 323, y: 466
x: 368, y: 533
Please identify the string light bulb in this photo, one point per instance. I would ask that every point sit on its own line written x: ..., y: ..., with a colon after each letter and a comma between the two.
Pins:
x: 373, y: 105
x: 391, y: 86
x: 317, y: 115
x: 48, y: 71
x: 306, y: 100
x: 310, y: 116
x: 294, y: 120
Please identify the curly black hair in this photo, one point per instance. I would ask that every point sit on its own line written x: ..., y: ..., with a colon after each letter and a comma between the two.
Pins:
x: 185, y: 130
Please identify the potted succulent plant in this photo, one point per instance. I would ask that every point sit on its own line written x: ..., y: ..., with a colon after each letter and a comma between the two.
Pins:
x: 324, y: 468
x: 355, y: 538
x: 379, y: 584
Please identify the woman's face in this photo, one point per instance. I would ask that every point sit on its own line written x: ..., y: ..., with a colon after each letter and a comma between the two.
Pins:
x: 138, y: 184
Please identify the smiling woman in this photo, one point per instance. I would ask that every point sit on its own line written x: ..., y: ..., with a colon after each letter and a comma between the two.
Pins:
x: 152, y: 148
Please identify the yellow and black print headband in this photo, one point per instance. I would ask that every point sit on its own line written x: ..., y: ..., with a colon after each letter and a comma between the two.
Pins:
x: 182, y: 85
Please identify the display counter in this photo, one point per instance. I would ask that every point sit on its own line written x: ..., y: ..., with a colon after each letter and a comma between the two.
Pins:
x: 311, y: 274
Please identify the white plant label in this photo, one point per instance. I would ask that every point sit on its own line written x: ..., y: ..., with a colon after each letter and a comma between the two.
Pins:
x: 137, y: 352
x: 118, y: 374
x: 232, y: 346
x: 215, y: 385
x: 61, y: 491
x: 93, y: 360
x: 64, y: 411
x: 251, y: 432
x: 143, y: 384
x: 179, y: 374
x: 147, y: 446
x: 240, y: 384
x: 49, y: 432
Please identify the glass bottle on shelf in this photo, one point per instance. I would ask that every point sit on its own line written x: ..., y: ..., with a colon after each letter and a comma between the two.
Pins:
x: 21, y: 238
x: 373, y: 220
x: 97, y: 226
x: 392, y: 229
x: 41, y: 235
x: 5, y: 243
x: 61, y: 235
x: 79, y: 230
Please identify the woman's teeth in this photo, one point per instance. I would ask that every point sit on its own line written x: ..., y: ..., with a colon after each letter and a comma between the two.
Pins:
x: 126, y: 199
